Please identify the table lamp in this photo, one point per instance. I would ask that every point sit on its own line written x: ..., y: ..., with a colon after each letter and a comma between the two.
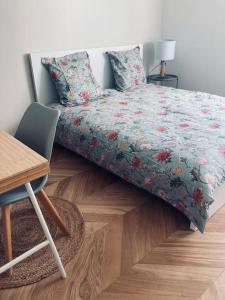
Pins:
x: 165, y: 50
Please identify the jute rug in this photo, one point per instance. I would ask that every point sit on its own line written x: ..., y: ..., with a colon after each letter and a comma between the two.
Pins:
x: 27, y: 233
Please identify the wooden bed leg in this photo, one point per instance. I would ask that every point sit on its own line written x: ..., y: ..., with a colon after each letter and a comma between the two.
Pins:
x: 7, y: 232
x: 193, y: 227
x: 46, y: 202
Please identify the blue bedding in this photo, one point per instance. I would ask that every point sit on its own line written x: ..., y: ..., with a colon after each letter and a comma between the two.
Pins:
x: 169, y: 142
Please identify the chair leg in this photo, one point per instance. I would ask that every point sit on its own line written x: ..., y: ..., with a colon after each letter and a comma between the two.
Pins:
x: 46, y: 202
x: 7, y: 231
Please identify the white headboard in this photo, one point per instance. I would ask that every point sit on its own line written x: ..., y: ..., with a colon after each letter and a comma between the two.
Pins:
x: 44, y: 89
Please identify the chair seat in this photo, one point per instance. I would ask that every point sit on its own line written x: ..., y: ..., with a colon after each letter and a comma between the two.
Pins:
x: 19, y: 193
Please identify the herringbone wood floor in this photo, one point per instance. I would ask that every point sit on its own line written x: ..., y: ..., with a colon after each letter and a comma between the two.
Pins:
x: 136, y: 247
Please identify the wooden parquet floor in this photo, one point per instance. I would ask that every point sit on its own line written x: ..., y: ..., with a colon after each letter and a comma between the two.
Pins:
x: 136, y: 247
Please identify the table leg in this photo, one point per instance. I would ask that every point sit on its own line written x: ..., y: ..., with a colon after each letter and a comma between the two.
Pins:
x: 193, y: 227
x: 45, y: 229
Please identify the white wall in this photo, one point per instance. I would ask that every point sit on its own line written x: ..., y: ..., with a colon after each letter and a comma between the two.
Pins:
x: 31, y: 26
x: 198, y: 26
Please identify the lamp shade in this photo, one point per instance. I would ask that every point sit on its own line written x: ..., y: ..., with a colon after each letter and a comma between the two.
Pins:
x: 165, y: 49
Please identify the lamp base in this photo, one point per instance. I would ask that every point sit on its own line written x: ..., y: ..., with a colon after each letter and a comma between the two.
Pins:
x: 163, y: 68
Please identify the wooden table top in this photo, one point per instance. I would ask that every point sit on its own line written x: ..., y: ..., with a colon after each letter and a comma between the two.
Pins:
x: 18, y: 163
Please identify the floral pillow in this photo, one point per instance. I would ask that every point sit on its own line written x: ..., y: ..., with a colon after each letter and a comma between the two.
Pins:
x: 73, y: 78
x: 127, y: 68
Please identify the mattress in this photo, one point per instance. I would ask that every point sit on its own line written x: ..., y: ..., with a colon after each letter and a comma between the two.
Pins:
x: 167, y: 141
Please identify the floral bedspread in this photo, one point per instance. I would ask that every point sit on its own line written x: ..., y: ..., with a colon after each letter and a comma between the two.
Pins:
x: 169, y: 142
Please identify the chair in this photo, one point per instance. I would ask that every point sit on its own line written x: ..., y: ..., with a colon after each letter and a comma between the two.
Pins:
x: 37, y: 131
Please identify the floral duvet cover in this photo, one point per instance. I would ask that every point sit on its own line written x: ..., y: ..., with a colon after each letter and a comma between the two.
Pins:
x: 169, y: 142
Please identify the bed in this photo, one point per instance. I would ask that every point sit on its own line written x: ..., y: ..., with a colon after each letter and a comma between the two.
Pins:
x: 169, y: 142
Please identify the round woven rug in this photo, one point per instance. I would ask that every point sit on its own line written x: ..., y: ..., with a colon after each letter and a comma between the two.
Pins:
x: 27, y: 233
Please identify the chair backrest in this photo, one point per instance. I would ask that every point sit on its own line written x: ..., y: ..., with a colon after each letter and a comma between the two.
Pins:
x: 37, y: 128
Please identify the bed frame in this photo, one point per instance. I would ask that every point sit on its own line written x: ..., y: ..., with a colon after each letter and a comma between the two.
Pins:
x: 44, y: 89
x: 45, y: 92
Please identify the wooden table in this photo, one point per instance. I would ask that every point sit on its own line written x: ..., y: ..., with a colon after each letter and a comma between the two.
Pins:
x: 19, y: 165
